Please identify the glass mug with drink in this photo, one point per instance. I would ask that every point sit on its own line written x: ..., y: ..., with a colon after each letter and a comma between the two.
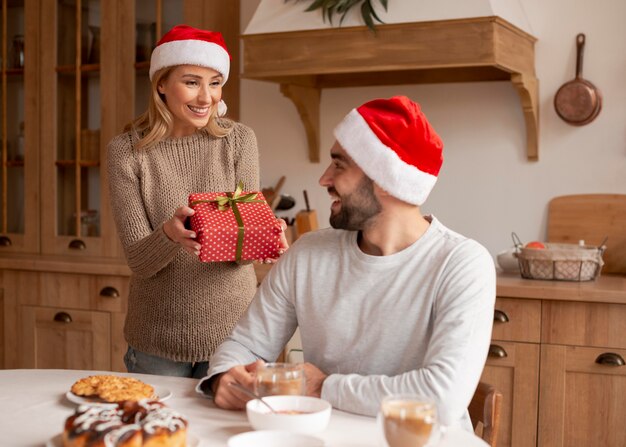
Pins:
x: 408, y: 420
x: 274, y: 379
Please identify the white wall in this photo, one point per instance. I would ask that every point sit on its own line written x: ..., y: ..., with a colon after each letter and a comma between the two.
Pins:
x: 486, y: 188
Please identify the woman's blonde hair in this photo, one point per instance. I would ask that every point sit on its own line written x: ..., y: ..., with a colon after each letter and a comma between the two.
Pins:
x: 155, y: 124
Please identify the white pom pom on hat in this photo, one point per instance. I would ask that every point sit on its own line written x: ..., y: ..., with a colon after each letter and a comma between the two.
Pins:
x: 185, y: 45
x: 394, y: 144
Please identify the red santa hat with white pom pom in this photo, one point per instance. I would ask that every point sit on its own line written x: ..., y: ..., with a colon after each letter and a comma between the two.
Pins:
x: 393, y: 143
x: 185, y: 45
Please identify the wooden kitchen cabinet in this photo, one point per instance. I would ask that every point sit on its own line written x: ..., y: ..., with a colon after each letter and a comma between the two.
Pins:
x: 583, y: 386
x: 582, y: 402
x: 513, y: 368
x: 65, y: 320
x: 84, y: 76
x: 19, y: 163
x: 557, y: 356
x: 60, y: 338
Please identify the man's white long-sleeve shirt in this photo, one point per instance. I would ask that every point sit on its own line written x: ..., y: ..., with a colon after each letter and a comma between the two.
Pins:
x: 418, y: 321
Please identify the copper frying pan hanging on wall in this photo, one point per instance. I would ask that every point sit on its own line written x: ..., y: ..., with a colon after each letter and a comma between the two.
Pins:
x: 578, y: 102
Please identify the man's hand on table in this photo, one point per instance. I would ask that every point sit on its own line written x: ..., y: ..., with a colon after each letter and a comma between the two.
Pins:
x: 228, y: 397
x: 314, y: 380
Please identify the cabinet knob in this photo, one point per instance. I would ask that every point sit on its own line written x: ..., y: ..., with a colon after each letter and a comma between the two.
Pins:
x: 497, y: 351
x: 500, y: 317
x: 63, y: 317
x: 5, y: 241
x: 610, y: 358
x: 110, y: 292
x: 77, y: 244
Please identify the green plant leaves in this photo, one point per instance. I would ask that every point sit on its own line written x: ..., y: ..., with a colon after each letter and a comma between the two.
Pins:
x: 341, y: 7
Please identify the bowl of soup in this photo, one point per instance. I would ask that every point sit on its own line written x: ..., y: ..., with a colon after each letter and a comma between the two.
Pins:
x: 296, y: 414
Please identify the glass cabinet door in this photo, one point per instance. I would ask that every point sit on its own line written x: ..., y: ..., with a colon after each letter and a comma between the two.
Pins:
x: 18, y: 170
x: 78, y: 120
x: 71, y: 138
x: 153, y: 18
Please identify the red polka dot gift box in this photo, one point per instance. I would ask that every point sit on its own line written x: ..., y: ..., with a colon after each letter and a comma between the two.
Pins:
x: 234, y: 226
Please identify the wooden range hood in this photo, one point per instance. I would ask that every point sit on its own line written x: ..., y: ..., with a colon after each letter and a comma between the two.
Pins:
x: 460, y: 50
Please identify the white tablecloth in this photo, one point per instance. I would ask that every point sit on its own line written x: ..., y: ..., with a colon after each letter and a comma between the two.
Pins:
x: 33, y: 409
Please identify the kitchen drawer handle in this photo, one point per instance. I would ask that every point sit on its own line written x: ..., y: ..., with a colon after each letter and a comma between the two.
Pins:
x: 63, y: 317
x: 500, y: 317
x: 5, y: 241
x: 110, y: 292
x: 610, y: 358
x: 497, y: 351
x: 77, y: 244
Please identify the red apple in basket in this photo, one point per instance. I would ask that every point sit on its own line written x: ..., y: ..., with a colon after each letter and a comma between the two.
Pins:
x: 535, y: 244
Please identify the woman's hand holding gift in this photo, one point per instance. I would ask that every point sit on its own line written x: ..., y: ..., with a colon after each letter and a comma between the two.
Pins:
x: 282, y: 242
x: 174, y: 228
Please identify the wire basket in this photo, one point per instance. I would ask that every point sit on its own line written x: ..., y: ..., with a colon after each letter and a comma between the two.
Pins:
x: 561, y: 262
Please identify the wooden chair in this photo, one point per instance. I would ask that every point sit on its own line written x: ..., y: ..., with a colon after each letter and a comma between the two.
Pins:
x: 485, y: 409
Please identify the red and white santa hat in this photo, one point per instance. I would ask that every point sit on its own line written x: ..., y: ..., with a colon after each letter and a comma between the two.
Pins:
x: 185, y: 45
x: 393, y: 143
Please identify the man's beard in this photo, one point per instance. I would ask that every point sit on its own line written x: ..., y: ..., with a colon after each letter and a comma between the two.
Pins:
x: 357, y: 208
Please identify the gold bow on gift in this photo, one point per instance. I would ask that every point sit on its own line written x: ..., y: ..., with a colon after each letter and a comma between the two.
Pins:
x: 224, y: 202
x: 230, y: 201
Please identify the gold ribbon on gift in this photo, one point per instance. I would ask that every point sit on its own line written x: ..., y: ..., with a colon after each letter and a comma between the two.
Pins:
x: 230, y: 200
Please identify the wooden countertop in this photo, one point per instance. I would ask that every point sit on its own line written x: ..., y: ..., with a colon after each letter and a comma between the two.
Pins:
x: 605, y: 289
x: 84, y: 265
x: 64, y: 264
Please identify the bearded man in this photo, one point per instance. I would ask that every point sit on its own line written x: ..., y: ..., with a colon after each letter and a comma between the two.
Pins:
x: 387, y: 300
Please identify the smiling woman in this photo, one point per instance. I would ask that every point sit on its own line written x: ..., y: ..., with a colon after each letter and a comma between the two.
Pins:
x: 180, y: 309
x: 190, y: 93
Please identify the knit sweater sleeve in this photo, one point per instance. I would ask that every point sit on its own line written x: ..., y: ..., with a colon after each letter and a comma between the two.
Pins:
x: 246, y: 156
x: 147, y: 249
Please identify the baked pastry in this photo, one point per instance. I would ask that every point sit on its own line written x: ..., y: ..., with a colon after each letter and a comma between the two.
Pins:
x: 128, y: 424
x: 160, y: 425
x: 113, y: 388
x: 100, y: 426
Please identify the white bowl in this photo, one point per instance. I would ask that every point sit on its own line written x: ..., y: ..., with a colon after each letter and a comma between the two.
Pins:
x: 508, y: 261
x: 313, y: 419
x: 274, y: 438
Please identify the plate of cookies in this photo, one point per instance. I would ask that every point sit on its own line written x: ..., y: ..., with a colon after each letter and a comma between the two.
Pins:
x: 111, y: 389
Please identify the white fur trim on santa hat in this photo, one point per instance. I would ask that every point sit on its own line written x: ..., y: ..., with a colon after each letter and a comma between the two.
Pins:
x: 190, y: 52
x: 380, y: 163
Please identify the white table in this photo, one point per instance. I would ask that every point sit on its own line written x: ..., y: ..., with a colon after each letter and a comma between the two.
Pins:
x: 33, y: 409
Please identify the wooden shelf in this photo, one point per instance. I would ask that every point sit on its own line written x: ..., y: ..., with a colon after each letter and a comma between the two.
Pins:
x: 83, y: 163
x: 15, y: 163
x: 142, y: 65
x: 10, y: 72
x: 71, y: 69
x: 465, y: 50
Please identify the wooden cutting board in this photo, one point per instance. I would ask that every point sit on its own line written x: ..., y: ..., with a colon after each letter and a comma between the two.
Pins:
x: 591, y: 217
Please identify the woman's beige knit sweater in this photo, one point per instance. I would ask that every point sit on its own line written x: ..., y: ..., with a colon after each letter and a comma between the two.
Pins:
x: 179, y: 308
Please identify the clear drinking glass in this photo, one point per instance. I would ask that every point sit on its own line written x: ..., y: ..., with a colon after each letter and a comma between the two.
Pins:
x: 407, y: 420
x: 274, y: 379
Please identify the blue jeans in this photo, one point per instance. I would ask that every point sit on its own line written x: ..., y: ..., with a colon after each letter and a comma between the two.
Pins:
x: 142, y: 363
